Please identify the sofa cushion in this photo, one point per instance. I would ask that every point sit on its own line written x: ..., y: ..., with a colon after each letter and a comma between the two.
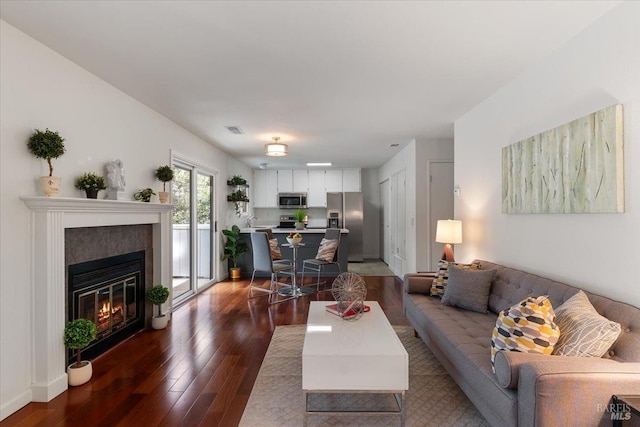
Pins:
x: 468, y: 289
x: 583, y: 332
x: 440, y: 282
x: 527, y: 327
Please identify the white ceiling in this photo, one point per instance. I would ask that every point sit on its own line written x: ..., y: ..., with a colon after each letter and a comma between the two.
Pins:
x: 338, y: 81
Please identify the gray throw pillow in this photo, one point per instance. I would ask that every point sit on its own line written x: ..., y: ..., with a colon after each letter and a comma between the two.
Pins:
x: 468, y: 289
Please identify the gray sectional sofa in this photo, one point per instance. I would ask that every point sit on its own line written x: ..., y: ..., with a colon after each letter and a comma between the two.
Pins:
x: 527, y: 389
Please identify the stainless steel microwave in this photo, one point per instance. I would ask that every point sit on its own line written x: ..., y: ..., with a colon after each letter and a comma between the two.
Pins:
x: 292, y: 200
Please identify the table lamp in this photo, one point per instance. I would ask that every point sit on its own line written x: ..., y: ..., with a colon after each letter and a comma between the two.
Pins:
x: 448, y: 231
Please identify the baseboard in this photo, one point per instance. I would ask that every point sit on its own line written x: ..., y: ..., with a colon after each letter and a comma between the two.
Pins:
x: 44, y: 392
x: 15, y: 404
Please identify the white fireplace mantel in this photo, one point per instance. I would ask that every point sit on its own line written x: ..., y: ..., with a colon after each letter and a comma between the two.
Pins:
x: 50, y: 216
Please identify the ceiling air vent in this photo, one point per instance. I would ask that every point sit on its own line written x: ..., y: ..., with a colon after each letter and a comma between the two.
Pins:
x: 234, y: 130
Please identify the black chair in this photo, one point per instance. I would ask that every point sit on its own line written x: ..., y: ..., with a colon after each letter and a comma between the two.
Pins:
x: 318, y: 265
x: 263, y: 262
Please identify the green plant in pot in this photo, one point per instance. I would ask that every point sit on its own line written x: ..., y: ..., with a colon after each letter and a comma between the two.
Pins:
x: 237, y: 180
x: 158, y: 295
x: 48, y: 145
x: 164, y: 174
x: 77, y: 335
x: 144, y: 195
x: 234, y: 246
x: 300, y: 215
x: 91, y: 184
x: 239, y: 199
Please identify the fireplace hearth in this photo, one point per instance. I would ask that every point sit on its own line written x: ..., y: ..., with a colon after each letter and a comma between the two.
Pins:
x: 110, y: 292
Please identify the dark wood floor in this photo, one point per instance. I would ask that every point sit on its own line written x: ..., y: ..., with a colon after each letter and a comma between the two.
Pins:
x: 197, y: 372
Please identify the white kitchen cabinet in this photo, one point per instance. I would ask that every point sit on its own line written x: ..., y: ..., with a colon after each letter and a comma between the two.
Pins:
x: 258, y: 188
x: 333, y: 180
x: 301, y: 180
x: 351, y: 180
x: 265, y: 189
x: 317, y: 194
x: 285, y: 181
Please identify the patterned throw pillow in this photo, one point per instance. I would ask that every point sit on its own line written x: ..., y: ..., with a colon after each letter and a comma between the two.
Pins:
x: 327, y: 250
x: 584, y: 332
x: 275, y: 249
x: 527, y: 327
x: 440, y: 282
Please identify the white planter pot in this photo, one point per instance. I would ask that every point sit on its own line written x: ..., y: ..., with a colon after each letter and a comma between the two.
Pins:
x: 159, y: 322
x: 50, y: 185
x: 79, y: 376
x: 163, y: 196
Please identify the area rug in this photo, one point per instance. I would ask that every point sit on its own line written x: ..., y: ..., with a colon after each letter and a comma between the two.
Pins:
x: 433, y: 399
x: 370, y: 267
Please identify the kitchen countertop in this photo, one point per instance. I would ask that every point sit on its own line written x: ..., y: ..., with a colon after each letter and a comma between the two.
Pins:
x: 289, y: 230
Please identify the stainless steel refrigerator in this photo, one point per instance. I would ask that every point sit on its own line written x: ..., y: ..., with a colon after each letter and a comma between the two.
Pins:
x: 345, y: 210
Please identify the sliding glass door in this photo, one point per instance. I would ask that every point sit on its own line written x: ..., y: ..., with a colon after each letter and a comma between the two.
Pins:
x: 193, y: 230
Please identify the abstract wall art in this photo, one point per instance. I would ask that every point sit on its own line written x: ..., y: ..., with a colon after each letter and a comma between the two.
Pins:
x: 573, y: 168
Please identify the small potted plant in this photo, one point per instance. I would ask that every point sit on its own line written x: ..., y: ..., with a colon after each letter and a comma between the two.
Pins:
x: 158, y: 295
x: 239, y: 199
x: 47, y: 145
x: 300, y: 215
x: 144, y: 195
x: 233, y: 248
x: 237, y: 180
x: 91, y: 184
x: 164, y: 174
x: 77, y: 335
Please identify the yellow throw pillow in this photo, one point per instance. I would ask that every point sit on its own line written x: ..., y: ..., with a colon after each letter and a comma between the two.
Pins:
x: 527, y: 327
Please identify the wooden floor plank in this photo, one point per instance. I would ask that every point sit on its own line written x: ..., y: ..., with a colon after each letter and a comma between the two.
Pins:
x: 197, y: 372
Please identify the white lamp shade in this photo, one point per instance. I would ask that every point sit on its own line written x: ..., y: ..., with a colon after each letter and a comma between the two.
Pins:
x: 449, y: 231
x: 276, y: 149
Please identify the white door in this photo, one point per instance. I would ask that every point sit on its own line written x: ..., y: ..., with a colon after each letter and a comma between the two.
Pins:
x: 440, y: 204
x: 384, y: 222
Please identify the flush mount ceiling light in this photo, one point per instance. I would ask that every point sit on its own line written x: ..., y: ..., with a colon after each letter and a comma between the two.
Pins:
x: 319, y: 164
x: 276, y: 148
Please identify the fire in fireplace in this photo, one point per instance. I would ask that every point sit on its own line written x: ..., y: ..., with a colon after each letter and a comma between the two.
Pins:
x: 109, y: 292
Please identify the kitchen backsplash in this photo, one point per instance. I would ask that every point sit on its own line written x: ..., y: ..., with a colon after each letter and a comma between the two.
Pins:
x: 271, y: 216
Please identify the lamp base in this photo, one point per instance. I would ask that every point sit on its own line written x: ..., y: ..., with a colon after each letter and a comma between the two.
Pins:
x: 447, y: 253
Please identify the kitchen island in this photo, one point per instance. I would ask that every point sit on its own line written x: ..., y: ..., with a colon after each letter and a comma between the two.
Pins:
x: 311, y: 239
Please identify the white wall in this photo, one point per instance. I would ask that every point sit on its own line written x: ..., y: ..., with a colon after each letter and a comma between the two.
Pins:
x: 427, y: 150
x: 39, y: 89
x: 371, y: 213
x: 597, y: 252
x: 414, y: 159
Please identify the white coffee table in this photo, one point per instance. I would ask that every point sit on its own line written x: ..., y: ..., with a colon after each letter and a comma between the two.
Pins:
x: 361, y: 356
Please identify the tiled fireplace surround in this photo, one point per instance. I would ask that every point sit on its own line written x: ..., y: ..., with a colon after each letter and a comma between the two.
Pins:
x: 50, y: 217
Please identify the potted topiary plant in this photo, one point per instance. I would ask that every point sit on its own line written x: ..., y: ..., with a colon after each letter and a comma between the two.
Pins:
x: 233, y: 248
x: 158, y: 295
x: 47, y: 145
x: 77, y: 335
x: 164, y: 174
x: 144, y: 195
x: 300, y: 215
x: 91, y: 184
